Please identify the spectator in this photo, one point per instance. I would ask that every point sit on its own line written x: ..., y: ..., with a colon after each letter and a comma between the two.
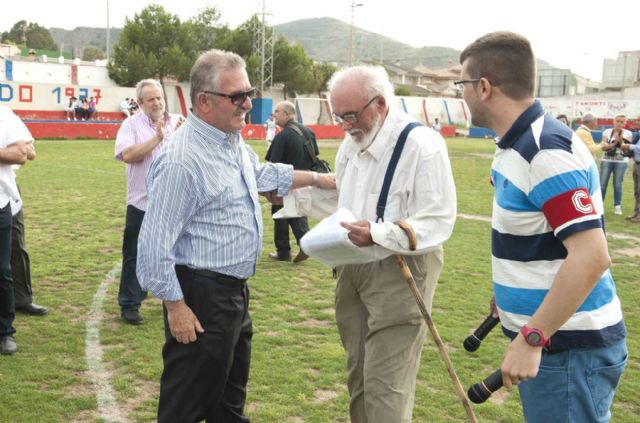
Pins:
x: 80, y: 111
x: 133, y: 106
x: 289, y: 147
x: 634, y: 152
x: 553, y: 288
x: 614, y: 161
x: 138, y: 141
x: 589, y: 122
x: 20, y: 262
x: 436, y: 125
x: 124, y: 107
x: 86, y: 113
x: 70, y: 108
x: 270, y: 126
x: 93, y: 111
x: 564, y: 119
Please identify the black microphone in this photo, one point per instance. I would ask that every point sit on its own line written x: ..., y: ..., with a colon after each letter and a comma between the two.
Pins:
x: 481, y: 391
x: 473, y: 341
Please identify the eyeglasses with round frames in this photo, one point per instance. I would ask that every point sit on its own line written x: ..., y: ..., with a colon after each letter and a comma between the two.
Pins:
x: 351, y: 117
x: 236, y: 99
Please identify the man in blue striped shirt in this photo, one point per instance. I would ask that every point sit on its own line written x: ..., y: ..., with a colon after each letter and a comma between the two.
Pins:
x: 200, y: 240
x: 553, y: 289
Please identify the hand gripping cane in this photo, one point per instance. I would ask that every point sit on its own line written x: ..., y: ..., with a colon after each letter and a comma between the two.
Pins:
x: 406, y: 272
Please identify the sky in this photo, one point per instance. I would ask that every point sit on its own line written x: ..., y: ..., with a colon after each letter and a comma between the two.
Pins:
x: 566, y: 34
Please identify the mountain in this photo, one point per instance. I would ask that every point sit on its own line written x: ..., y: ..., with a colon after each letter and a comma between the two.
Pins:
x: 328, y: 39
x: 74, y: 41
x: 324, y: 39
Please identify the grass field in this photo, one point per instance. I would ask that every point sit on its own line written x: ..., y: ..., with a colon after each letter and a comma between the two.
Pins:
x: 82, y: 364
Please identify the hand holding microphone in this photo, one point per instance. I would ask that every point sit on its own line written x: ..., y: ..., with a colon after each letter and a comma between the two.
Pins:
x: 481, y: 391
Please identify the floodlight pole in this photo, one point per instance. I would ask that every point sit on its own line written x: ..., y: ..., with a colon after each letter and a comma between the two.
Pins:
x: 353, y: 8
x: 108, y: 32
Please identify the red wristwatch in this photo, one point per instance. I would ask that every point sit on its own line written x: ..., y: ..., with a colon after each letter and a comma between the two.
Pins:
x: 534, y: 337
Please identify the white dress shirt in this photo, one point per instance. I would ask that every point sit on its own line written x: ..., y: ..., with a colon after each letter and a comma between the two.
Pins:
x: 422, y: 191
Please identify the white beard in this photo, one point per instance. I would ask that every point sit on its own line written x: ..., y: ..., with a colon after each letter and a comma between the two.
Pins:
x: 366, y: 139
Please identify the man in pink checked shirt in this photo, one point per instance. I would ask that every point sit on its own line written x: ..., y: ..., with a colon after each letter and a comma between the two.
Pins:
x: 137, y: 143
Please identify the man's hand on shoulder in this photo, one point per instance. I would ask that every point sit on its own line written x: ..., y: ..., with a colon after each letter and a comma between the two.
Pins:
x: 183, y: 324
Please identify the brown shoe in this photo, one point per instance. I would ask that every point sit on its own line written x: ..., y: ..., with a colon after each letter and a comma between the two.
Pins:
x: 635, y: 219
x: 276, y: 256
x: 302, y: 256
x: 632, y: 216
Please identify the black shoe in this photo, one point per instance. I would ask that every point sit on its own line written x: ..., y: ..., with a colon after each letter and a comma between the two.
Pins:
x: 276, y: 256
x: 8, y: 345
x: 33, y: 309
x: 132, y: 317
x: 302, y: 256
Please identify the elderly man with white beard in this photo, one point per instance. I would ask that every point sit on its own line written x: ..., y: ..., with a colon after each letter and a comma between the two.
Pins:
x: 379, y: 322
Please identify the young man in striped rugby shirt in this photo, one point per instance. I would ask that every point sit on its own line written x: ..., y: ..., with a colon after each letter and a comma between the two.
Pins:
x: 553, y: 289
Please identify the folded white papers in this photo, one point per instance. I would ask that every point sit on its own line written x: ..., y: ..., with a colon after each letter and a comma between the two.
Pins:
x: 328, y: 242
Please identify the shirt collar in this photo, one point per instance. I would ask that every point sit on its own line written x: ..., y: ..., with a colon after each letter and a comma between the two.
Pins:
x: 586, y: 128
x: 211, y: 132
x: 520, y: 125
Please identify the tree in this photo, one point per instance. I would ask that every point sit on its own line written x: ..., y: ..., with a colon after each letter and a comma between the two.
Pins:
x: 293, y: 68
x: 154, y: 44
x: 29, y: 35
x: 402, y: 92
x: 206, y: 29
x: 91, y: 53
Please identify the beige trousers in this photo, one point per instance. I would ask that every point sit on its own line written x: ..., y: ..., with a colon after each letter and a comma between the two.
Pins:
x: 382, y: 332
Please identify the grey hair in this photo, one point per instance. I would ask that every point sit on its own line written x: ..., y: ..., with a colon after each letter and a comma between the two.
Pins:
x: 374, y: 78
x: 287, y: 107
x: 146, y: 83
x: 589, y: 117
x: 205, y: 73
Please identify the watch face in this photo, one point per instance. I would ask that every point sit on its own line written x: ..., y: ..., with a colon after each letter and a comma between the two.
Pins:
x: 534, y: 339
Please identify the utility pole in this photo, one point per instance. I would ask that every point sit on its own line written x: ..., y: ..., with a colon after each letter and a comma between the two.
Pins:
x: 263, y: 46
x: 108, y: 32
x: 353, y: 8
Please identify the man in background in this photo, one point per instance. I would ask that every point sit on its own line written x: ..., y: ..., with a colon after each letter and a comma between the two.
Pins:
x: 137, y: 143
x: 635, y: 150
x: 20, y: 261
x: 589, y: 122
x: 289, y: 147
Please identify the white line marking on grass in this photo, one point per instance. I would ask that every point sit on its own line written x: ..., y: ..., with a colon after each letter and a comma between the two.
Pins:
x: 100, y: 377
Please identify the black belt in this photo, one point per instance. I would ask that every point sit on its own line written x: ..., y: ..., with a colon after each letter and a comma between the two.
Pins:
x: 218, y: 277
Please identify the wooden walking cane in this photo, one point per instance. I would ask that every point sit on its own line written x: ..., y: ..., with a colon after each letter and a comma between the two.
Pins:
x: 406, y: 272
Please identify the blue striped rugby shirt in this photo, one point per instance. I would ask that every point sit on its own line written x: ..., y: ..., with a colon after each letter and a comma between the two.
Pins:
x: 203, y: 209
x: 546, y: 187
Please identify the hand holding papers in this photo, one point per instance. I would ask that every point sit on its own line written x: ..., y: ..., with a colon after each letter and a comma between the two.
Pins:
x: 328, y: 242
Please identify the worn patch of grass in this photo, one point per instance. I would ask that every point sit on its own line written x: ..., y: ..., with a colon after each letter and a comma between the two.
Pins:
x: 74, y: 209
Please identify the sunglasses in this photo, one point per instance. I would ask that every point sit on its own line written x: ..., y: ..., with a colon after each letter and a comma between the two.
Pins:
x: 236, y: 99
